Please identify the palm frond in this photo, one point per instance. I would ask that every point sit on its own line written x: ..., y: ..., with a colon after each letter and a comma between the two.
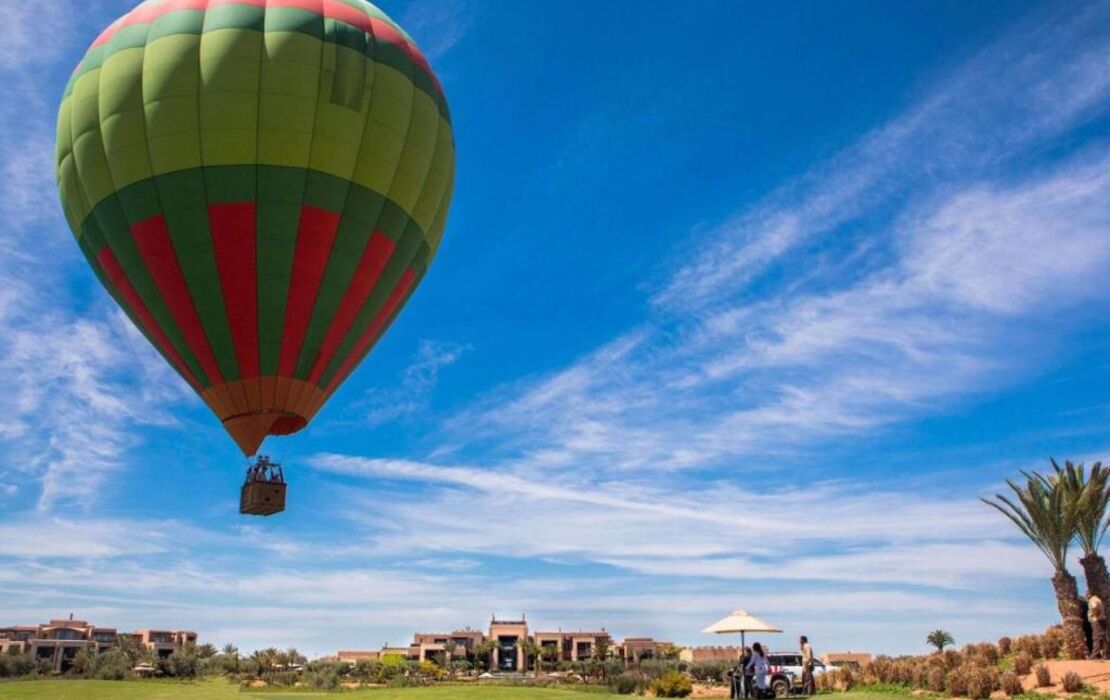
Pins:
x: 1089, y: 496
x: 1041, y: 509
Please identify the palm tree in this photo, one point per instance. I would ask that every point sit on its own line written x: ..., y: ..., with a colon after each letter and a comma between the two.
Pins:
x: 940, y: 639
x: 529, y: 650
x: 485, y: 651
x: 549, y: 653
x: 1042, y: 512
x: 266, y: 659
x: 1090, y: 497
x: 448, y: 655
x: 230, y: 651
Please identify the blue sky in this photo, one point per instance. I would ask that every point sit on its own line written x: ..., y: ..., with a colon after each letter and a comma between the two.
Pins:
x: 743, y: 305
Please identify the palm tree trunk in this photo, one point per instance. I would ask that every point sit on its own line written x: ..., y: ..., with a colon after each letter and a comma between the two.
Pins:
x: 1094, y: 570
x: 1067, y: 602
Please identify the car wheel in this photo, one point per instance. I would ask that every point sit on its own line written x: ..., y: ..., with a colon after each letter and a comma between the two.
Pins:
x: 780, y: 687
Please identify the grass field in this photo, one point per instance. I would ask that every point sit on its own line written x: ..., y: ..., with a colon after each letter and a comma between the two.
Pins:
x: 222, y: 690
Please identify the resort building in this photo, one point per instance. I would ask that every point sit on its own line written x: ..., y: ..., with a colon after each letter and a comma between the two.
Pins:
x: 460, y: 644
x: 508, y: 654
x: 59, y: 641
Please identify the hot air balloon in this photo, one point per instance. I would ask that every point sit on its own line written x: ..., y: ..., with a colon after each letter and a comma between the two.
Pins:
x: 260, y: 185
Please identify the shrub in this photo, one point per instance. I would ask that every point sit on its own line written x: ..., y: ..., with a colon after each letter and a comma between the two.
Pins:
x: 1004, y: 644
x: 902, y: 672
x: 920, y: 674
x: 625, y: 683
x: 1052, y: 642
x: 981, y: 682
x: 880, y: 670
x: 430, y: 669
x: 1011, y: 684
x: 280, y: 677
x: 934, y: 679
x: 112, y: 665
x: 657, y: 668
x: 16, y: 665
x: 1028, y: 644
x: 672, y: 685
x: 1044, y: 678
x: 952, y: 658
x: 983, y: 654
x: 710, y: 671
x: 956, y: 682
x: 1023, y: 663
x: 841, y: 679
x: 322, y: 679
x: 822, y: 681
x: 610, y: 668
x: 1072, y: 682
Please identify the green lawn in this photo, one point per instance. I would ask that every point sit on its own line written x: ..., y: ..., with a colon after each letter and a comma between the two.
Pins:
x: 222, y: 690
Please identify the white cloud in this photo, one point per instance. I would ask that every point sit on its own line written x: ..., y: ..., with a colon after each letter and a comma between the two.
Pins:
x: 41, y: 537
x: 78, y: 376
x: 76, y: 389
x: 685, y: 453
x: 417, y: 384
x: 1048, y: 74
x: 824, y: 532
x: 363, y: 605
x: 591, y: 471
x: 437, y: 25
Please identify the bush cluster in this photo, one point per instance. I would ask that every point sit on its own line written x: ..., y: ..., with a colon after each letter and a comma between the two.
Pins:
x: 972, y: 672
x: 17, y: 666
x: 1072, y: 682
x: 672, y: 684
x: 1044, y: 678
x: 1023, y: 663
x: 709, y: 671
x: 627, y: 683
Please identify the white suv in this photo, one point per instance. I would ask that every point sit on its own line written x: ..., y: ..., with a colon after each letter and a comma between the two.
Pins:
x: 785, y: 674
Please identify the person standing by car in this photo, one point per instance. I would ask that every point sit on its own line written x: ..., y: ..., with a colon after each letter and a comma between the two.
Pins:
x: 758, y: 667
x: 747, y: 679
x: 809, y: 686
x: 1097, y: 617
x: 736, y: 677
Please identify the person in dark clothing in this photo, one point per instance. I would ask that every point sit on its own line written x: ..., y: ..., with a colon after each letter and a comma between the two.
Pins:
x: 747, y: 678
x: 736, y: 678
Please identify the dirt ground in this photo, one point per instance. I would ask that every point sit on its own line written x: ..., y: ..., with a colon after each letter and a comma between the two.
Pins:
x: 1094, y: 673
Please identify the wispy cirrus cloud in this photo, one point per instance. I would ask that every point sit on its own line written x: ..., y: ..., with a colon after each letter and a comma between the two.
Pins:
x: 1047, y: 75
x: 923, y: 266
x: 79, y: 379
x: 438, y: 25
x: 825, y: 532
x: 927, y: 275
x: 418, y: 381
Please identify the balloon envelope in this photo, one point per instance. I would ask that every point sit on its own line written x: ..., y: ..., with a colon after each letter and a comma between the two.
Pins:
x: 260, y: 184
